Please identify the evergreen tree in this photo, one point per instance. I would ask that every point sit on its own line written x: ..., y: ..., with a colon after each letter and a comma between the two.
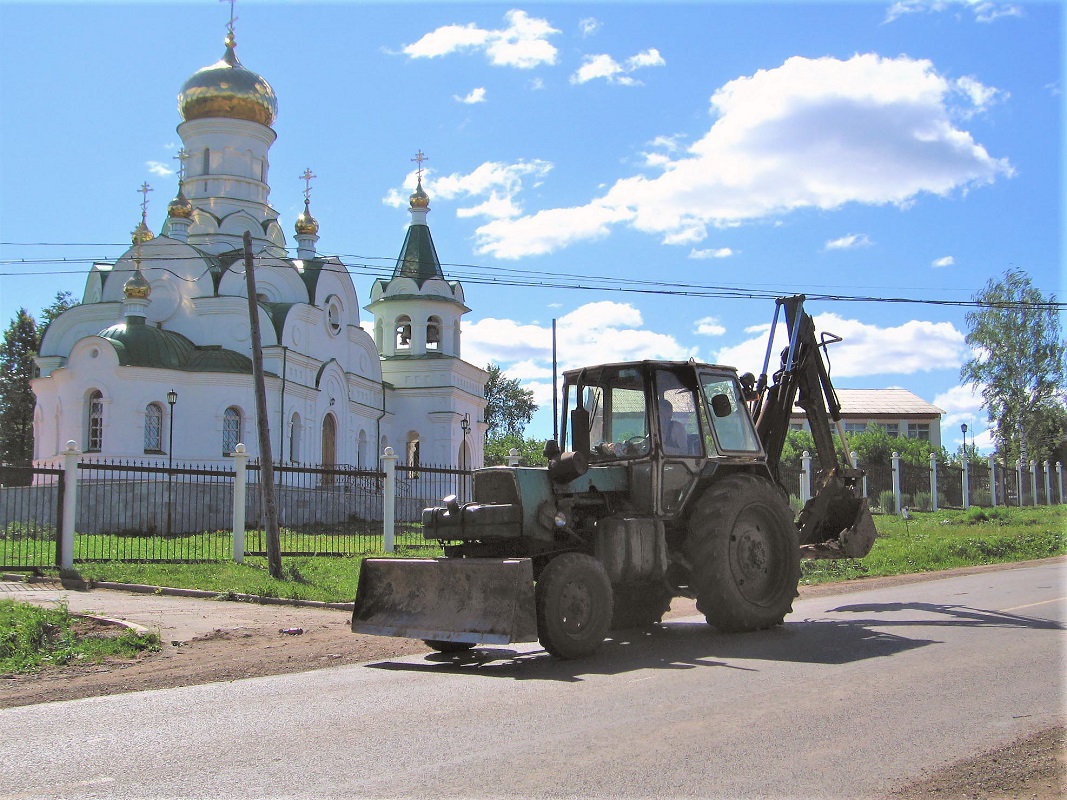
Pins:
x: 16, y: 398
x: 1019, y: 362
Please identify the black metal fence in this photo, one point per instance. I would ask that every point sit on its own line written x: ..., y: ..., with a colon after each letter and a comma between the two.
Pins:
x: 31, y: 517
x: 335, y: 510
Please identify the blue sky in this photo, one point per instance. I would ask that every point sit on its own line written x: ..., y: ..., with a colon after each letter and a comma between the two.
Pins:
x: 875, y: 150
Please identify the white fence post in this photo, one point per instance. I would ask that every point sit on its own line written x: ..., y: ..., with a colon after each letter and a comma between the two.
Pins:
x: 1048, y: 486
x: 966, y: 482
x: 240, y: 492
x: 805, y: 477
x: 933, y: 481
x: 70, y: 504
x: 896, y: 480
x: 1019, y: 472
x: 1059, y: 479
x: 1033, y: 479
x: 856, y: 465
x: 389, y: 501
x: 992, y: 481
x: 514, y: 457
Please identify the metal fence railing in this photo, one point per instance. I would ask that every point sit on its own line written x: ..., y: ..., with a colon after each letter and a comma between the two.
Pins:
x: 31, y: 515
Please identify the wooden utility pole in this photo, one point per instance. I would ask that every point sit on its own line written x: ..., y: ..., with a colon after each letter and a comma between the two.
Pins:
x: 266, y: 460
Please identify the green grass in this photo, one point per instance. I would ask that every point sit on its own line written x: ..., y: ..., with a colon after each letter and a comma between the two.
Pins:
x: 928, y: 542
x: 32, y: 637
x: 940, y: 540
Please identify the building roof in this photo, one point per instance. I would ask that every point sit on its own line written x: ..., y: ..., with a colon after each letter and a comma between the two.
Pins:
x: 882, y: 402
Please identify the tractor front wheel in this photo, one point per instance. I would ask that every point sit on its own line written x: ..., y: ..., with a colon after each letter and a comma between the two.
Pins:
x: 574, y: 601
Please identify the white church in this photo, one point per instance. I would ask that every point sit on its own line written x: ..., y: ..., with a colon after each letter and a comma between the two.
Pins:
x: 156, y: 362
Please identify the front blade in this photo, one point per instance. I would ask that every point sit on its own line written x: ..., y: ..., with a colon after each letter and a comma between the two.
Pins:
x: 447, y: 599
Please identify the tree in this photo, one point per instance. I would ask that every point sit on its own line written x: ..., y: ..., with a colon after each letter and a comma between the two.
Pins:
x: 508, y: 407
x: 531, y: 451
x: 1019, y: 359
x: 16, y: 397
x: 62, y: 301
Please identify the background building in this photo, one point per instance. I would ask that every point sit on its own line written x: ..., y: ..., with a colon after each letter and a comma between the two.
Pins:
x: 896, y: 411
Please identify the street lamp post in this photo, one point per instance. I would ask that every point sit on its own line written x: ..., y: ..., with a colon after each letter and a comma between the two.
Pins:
x: 172, y: 398
x: 963, y: 428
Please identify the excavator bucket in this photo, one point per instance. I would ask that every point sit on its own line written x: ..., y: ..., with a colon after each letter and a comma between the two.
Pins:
x: 836, y: 524
x: 471, y: 600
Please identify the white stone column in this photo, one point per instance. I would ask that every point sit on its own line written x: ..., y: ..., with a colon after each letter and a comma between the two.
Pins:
x: 896, y: 480
x: 513, y: 457
x: 240, y: 493
x: 1019, y: 473
x: 805, y: 477
x: 933, y: 481
x: 1048, y: 485
x: 389, y: 501
x: 1033, y: 480
x: 993, y: 481
x: 70, y: 504
x: 966, y: 482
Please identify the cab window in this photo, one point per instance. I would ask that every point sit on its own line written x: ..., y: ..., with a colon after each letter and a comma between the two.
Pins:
x: 618, y: 416
x: 729, y: 414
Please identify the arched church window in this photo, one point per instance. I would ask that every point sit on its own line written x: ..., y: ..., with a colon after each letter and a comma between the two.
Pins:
x: 361, y: 450
x: 333, y: 315
x: 403, y: 333
x: 433, y: 333
x: 206, y: 170
x: 94, y: 427
x: 231, y: 430
x: 294, y: 438
x: 153, y: 428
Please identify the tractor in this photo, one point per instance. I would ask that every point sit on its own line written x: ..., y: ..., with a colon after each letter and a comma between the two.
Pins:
x: 670, y: 488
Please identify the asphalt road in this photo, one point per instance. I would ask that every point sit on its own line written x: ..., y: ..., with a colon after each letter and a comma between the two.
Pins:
x: 855, y: 695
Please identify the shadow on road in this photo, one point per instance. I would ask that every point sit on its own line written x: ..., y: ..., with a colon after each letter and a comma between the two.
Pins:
x: 694, y: 645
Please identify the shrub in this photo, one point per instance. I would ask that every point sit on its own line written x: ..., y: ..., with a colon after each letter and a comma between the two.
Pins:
x: 923, y: 501
x: 887, y: 501
x: 981, y: 497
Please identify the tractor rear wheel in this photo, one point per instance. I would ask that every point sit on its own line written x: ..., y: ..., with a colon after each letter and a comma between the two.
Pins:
x: 743, y: 546
x: 573, y: 596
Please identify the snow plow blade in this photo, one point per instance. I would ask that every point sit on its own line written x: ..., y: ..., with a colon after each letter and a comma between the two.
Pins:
x: 472, y: 600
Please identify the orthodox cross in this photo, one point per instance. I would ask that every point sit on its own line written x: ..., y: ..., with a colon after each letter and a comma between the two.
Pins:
x: 181, y: 157
x: 307, y: 178
x: 233, y: 19
x: 419, y: 157
x: 144, y: 190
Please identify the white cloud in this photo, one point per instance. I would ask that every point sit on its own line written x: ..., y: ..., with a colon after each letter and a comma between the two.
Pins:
x: 721, y: 252
x: 963, y: 406
x: 812, y: 133
x: 494, y: 185
x: 159, y: 168
x: 947, y: 261
x: 914, y: 346
x: 474, y: 96
x: 709, y: 326
x: 523, y: 43
x: 588, y: 26
x: 983, y: 10
x: 850, y: 242
x: 594, y: 333
x: 604, y: 66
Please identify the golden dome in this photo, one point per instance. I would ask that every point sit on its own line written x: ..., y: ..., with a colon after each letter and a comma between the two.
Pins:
x: 180, y: 207
x: 419, y: 199
x: 227, y: 89
x: 306, y: 225
x: 141, y: 233
x: 137, y: 286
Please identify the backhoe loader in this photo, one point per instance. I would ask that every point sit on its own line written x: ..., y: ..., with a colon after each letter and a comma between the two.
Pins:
x: 670, y: 487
